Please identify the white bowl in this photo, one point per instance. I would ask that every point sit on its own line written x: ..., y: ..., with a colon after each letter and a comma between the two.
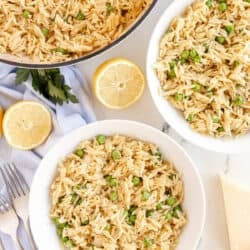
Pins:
x: 44, y: 231
x: 169, y: 113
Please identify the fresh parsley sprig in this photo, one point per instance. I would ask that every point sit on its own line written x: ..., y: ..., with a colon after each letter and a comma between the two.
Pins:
x: 48, y: 82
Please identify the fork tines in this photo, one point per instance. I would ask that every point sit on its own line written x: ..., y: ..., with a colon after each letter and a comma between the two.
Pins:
x: 15, y: 183
x: 4, y: 204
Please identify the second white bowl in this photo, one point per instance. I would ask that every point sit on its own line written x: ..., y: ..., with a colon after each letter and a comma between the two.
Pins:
x: 44, y: 231
x: 169, y: 113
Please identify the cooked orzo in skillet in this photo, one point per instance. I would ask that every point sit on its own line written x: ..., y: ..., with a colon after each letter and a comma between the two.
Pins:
x: 204, y: 66
x: 59, y: 30
x: 117, y: 192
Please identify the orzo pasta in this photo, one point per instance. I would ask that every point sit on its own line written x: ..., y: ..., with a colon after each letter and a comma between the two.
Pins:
x: 59, y: 30
x: 117, y: 192
x: 204, y: 66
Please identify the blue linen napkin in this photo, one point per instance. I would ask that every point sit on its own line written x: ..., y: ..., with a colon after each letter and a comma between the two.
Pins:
x: 65, y: 118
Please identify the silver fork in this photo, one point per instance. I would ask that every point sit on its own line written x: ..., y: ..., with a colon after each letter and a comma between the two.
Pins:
x: 6, y: 213
x: 18, y: 191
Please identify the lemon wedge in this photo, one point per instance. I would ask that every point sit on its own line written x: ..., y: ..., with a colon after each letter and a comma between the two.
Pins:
x: 26, y: 125
x: 1, y: 120
x: 118, y: 83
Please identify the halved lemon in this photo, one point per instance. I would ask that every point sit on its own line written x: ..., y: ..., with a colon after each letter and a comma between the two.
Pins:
x: 26, y: 125
x: 1, y: 120
x: 118, y: 83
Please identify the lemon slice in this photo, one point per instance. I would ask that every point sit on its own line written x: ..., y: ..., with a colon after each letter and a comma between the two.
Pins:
x: 118, y: 83
x: 1, y: 120
x: 26, y: 125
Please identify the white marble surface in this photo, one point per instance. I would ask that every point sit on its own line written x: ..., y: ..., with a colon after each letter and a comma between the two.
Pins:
x: 209, y: 164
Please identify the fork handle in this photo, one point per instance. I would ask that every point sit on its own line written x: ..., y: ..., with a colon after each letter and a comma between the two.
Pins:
x: 23, y: 236
x: 7, y: 242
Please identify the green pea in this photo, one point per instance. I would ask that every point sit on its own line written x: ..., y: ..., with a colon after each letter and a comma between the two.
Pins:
x: 63, y: 225
x: 190, y: 118
x: 61, y: 50
x: 116, y: 155
x: 222, y: 6
x: 107, y: 227
x: 145, y: 195
x: 80, y: 16
x: 178, y: 97
x: 172, y: 64
x: 215, y: 119
x: 111, y: 181
x: 60, y: 226
x: 59, y: 232
x: 56, y: 221
x: 136, y: 181
x: 110, y: 8
x: 149, y: 213
x: 79, y: 152
x: 74, y: 197
x: 113, y: 196
x: 197, y: 59
x: 108, y: 178
x: 193, y: 53
x: 159, y: 206
x: 26, y: 14
x: 79, y: 202
x: 171, y: 74
x: 171, y: 201
x: 148, y: 242
x: 236, y: 64
x: 168, y: 216
x: 220, y: 129
x: 131, y: 219
x: 184, y: 56
x: 101, y: 139
x: 177, y: 210
x: 209, y: 3
x: 158, y: 154
x: 196, y: 86
x: 70, y: 243
x: 45, y: 31
x: 239, y: 100
x: 229, y: 28
x: 65, y: 239
x: 172, y: 176
x: 169, y: 31
x: 220, y: 39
